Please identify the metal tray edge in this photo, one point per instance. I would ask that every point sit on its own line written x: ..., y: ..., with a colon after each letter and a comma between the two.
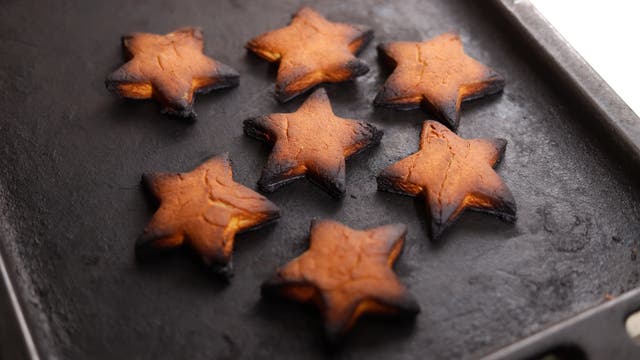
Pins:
x: 14, y: 312
x: 607, y: 338
x: 16, y: 326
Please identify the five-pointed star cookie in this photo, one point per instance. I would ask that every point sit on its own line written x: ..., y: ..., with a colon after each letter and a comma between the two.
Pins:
x: 436, y: 74
x: 169, y: 68
x: 204, y: 208
x: 311, y: 141
x: 312, y: 50
x: 346, y: 273
x: 453, y: 174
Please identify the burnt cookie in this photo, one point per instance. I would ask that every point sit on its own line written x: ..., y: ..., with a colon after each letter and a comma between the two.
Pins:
x: 170, y: 68
x: 311, y: 141
x: 453, y: 174
x: 204, y: 208
x: 312, y: 50
x: 436, y: 74
x: 346, y: 273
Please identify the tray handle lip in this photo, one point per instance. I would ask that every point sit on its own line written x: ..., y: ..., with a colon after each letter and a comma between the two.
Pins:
x: 566, y: 333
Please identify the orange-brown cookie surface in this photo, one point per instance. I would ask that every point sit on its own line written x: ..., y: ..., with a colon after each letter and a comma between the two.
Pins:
x: 311, y: 141
x: 346, y: 273
x: 436, y: 74
x: 312, y: 50
x: 170, y: 68
x: 453, y: 174
x: 204, y: 208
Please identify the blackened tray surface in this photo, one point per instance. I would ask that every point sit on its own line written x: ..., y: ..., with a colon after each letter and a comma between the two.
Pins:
x: 71, y: 156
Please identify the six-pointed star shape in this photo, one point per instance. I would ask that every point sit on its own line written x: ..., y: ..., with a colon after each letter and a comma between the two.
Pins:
x: 436, y: 74
x: 453, y: 174
x: 312, y: 50
x: 311, y: 141
x: 346, y: 273
x: 169, y: 68
x: 204, y: 208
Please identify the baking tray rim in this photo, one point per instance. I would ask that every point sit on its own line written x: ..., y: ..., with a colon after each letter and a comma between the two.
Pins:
x: 611, y: 110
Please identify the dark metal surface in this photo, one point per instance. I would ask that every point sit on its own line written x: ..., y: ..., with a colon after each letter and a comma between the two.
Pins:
x: 71, y: 156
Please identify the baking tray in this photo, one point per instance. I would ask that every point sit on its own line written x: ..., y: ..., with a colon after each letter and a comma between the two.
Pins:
x: 71, y: 203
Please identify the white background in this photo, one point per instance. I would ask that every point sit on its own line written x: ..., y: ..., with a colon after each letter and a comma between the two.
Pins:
x: 607, y: 35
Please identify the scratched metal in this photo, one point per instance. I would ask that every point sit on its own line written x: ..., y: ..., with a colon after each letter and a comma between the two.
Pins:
x: 71, y: 156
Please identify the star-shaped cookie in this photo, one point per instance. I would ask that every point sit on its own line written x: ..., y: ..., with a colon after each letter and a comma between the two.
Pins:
x: 204, y: 208
x: 436, y: 74
x: 453, y: 174
x: 170, y: 68
x: 312, y: 50
x: 346, y: 273
x: 311, y: 141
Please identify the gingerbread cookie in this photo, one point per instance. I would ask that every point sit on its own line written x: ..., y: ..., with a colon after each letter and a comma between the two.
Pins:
x: 436, y: 74
x: 453, y: 174
x: 311, y: 141
x: 204, y: 208
x: 346, y: 273
x: 312, y: 50
x: 170, y: 68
